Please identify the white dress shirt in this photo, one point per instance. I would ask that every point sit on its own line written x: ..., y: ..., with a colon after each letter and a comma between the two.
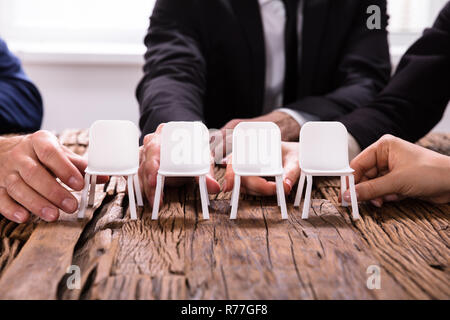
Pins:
x: 273, y: 15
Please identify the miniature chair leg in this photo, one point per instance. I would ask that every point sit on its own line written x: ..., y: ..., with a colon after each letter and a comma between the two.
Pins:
x: 298, y: 196
x: 307, y: 203
x: 355, y: 210
x: 235, y: 198
x: 281, y: 197
x: 204, y: 197
x: 131, y: 201
x: 137, y: 190
x: 278, y: 195
x: 343, y: 189
x: 159, y: 187
x: 84, y: 194
x: 92, y: 190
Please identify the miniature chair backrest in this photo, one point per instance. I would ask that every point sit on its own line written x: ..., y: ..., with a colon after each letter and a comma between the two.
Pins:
x: 185, y: 148
x: 323, y: 146
x: 257, y: 149
x: 113, y: 147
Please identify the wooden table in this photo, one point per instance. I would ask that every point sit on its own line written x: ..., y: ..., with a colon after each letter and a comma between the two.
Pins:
x: 258, y: 256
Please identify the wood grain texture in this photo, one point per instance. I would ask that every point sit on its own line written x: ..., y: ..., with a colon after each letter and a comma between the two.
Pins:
x: 257, y: 256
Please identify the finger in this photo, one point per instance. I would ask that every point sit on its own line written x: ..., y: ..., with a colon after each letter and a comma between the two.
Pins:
x: 375, y: 156
x: 291, y: 174
x: 150, y: 165
x: 375, y: 188
x: 19, y: 191
x: 52, y: 156
x: 10, y: 209
x: 377, y: 202
x: 391, y: 197
x: 150, y: 169
x: 81, y: 163
x: 150, y: 136
x: 258, y: 186
x: 228, y: 182
x: 39, y: 179
x: 212, y: 185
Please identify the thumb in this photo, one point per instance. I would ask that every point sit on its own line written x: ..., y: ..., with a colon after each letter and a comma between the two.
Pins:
x: 228, y: 182
x: 211, y: 183
x: 291, y: 174
x: 375, y: 188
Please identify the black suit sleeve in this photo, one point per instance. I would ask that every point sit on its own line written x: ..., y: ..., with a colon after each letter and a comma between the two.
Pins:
x: 173, y: 85
x: 363, y: 69
x: 20, y: 101
x: 416, y: 97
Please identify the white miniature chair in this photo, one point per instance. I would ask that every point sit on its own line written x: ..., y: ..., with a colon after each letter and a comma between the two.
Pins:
x: 113, y: 151
x: 323, y: 151
x: 257, y: 152
x: 184, y: 153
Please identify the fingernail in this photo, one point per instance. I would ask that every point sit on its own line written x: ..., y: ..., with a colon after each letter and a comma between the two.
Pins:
x: 19, y: 217
x: 376, y: 203
x: 289, y: 183
x: 49, y: 214
x: 391, y: 197
x: 347, y: 197
x: 69, y: 204
x: 75, y: 183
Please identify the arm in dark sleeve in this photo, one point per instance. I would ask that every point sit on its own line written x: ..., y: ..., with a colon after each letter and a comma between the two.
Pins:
x: 20, y: 101
x: 174, y: 72
x: 416, y: 97
x: 362, y: 73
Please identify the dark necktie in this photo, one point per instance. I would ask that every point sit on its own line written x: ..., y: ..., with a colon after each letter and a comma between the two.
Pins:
x: 291, y: 52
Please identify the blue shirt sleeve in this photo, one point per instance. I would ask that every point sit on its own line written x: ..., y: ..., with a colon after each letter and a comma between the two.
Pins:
x: 20, y: 101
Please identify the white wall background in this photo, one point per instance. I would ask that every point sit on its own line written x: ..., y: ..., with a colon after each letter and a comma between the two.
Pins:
x: 87, y: 65
x: 75, y: 95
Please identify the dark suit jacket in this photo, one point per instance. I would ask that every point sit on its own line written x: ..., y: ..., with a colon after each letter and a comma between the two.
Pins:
x: 206, y: 61
x: 20, y: 101
x: 417, y: 95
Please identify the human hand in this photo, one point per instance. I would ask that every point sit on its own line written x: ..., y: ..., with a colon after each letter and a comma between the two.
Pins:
x: 391, y: 169
x: 289, y: 129
x: 29, y: 166
x: 261, y: 187
x: 149, y: 166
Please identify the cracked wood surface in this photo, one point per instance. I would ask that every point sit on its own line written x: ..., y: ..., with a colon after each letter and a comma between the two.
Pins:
x: 258, y: 256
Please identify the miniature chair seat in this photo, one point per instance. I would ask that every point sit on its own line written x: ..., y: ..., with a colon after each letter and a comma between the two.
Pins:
x: 184, y: 152
x: 323, y: 151
x: 113, y: 151
x: 257, y: 152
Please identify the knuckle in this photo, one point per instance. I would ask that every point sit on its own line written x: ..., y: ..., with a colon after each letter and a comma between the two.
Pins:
x: 148, y: 138
x: 48, y: 151
x: 29, y: 170
x: 153, y: 145
x: 40, y: 134
x: 12, y: 182
x: 388, y: 138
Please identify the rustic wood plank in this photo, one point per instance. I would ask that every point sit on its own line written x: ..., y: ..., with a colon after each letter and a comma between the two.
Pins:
x: 36, y: 271
x: 410, y: 241
x: 258, y: 256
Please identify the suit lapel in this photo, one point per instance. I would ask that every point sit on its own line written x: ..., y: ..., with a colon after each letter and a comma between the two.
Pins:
x: 315, y: 15
x: 248, y: 14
